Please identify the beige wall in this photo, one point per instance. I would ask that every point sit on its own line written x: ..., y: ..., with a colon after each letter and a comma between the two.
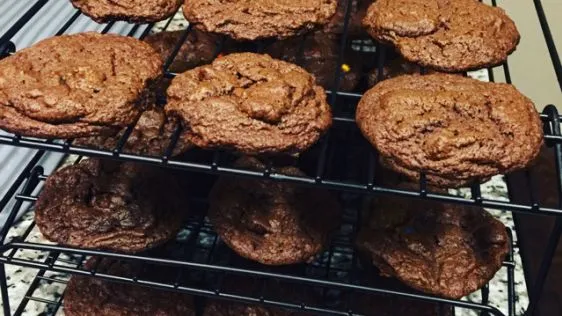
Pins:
x: 530, y: 65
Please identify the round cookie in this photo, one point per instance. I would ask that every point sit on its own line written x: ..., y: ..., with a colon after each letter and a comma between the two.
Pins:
x: 135, y: 11
x: 150, y: 136
x: 319, y: 55
x: 89, y: 296
x: 455, y: 129
x: 76, y: 85
x: 257, y: 19
x: 223, y: 308
x: 105, y: 204
x: 441, y: 249
x: 447, y: 35
x: 269, y: 222
x: 198, y: 49
x: 251, y: 103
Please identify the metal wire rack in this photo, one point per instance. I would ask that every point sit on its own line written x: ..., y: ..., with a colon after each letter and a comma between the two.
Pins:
x: 343, y: 146
x: 200, y: 261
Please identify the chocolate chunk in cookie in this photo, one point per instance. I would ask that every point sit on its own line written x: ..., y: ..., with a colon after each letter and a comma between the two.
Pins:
x: 319, y: 55
x: 150, y: 136
x: 270, y: 222
x: 440, y: 249
x: 448, y: 35
x: 257, y: 19
x: 137, y: 11
x: 76, y: 85
x: 104, y: 204
x: 250, y: 103
x: 198, y: 49
x: 455, y: 129
x: 89, y: 296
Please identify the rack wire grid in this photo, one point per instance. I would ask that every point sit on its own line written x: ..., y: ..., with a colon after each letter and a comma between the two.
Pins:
x: 200, y: 262
x: 343, y: 146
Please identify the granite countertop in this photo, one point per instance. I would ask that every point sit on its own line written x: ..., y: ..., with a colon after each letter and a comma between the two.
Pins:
x: 19, y: 278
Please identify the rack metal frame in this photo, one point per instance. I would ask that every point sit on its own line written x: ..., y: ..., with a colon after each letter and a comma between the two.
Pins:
x: 343, y: 104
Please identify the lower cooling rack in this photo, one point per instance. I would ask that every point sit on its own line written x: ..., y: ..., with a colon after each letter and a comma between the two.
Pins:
x: 197, y: 262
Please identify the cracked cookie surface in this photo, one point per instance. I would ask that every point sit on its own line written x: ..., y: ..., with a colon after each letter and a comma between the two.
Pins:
x: 447, y: 35
x: 76, y: 85
x: 251, y: 103
x: 89, y: 296
x: 270, y: 222
x: 105, y: 204
x: 138, y: 11
x: 458, y: 130
x: 440, y: 249
x: 256, y: 19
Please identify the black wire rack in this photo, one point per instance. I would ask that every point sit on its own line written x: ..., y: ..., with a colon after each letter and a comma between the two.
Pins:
x: 201, y: 261
x: 356, y: 176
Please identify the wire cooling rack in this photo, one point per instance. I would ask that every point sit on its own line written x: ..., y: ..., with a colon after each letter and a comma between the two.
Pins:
x: 200, y: 261
x: 199, y: 258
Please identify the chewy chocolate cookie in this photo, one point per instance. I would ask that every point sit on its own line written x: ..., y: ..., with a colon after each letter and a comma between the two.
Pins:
x: 319, y: 55
x: 76, y: 85
x: 105, y: 204
x: 270, y: 222
x: 441, y: 249
x: 448, y: 35
x: 198, y: 49
x: 150, y: 136
x: 137, y: 11
x: 256, y: 19
x: 250, y: 103
x: 89, y: 296
x: 357, y: 12
x: 455, y: 129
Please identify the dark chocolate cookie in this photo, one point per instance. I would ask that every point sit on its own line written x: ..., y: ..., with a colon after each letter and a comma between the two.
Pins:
x: 458, y: 130
x: 448, y: 35
x: 357, y: 13
x: 198, y: 49
x: 270, y: 222
x: 223, y: 308
x: 76, y: 85
x: 441, y: 249
x: 319, y: 55
x: 150, y: 136
x: 256, y: 19
x: 110, y: 205
x: 269, y: 289
x: 89, y: 296
x: 138, y: 11
x: 250, y: 103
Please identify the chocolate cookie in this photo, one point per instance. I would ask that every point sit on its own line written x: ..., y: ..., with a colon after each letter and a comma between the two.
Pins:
x: 137, y: 11
x: 441, y: 249
x: 76, y: 85
x: 270, y: 222
x: 319, y: 55
x: 223, y: 308
x: 250, y: 103
x: 150, y: 136
x: 270, y: 289
x: 198, y: 49
x: 394, y: 68
x: 104, y: 204
x: 458, y: 130
x: 89, y: 296
x: 448, y: 35
x: 256, y: 19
